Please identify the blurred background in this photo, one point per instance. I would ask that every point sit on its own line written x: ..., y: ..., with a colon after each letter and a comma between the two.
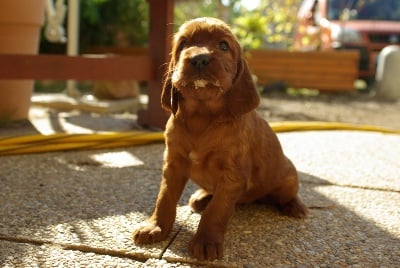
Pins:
x: 112, y: 26
x: 362, y: 26
x: 314, y: 60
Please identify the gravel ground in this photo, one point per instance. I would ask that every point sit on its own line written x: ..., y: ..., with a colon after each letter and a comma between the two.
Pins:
x: 354, y: 107
x: 349, y: 107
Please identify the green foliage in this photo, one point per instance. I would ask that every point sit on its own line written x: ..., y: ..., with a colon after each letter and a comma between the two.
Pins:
x: 250, y: 30
x: 113, y: 23
x: 306, y: 92
x: 271, y: 24
x: 189, y: 9
x: 108, y: 23
x: 126, y: 22
x: 185, y: 10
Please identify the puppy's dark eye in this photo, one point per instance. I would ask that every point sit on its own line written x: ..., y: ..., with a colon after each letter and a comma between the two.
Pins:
x: 223, y: 45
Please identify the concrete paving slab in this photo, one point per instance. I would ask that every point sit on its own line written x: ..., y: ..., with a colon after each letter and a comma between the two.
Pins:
x: 88, y: 202
x: 354, y: 227
x: 157, y: 263
x: 70, y: 199
x: 347, y: 158
x: 349, y: 225
x: 28, y: 255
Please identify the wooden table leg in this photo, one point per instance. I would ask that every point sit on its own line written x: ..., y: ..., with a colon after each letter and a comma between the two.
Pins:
x: 161, y: 30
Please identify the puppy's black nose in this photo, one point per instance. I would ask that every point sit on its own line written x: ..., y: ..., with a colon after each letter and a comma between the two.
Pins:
x: 200, y: 61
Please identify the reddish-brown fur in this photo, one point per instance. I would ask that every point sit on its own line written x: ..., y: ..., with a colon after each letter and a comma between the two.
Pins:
x: 215, y: 137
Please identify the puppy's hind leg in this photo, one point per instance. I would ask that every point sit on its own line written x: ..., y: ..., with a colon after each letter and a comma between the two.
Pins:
x: 295, y: 208
x: 287, y: 199
x: 199, y: 200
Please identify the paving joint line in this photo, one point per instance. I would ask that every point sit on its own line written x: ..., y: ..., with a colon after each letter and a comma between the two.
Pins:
x: 352, y: 186
x: 183, y: 260
x: 81, y: 248
x: 173, y: 238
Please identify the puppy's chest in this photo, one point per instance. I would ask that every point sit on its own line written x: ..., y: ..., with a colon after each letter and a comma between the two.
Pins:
x: 206, y: 168
x: 202, y: 162
x: 195, y: 158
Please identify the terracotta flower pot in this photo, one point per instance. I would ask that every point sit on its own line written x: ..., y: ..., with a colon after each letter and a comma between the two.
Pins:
x: 20, y: 23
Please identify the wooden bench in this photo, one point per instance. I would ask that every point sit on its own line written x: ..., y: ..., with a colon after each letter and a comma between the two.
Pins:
x: 327, y: 70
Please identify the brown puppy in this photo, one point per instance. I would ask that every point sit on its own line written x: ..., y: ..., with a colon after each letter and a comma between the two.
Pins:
x: 215, y: 137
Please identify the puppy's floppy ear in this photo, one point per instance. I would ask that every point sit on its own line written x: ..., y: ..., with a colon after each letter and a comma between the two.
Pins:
x: 170, y: 95
x: 243, y: 96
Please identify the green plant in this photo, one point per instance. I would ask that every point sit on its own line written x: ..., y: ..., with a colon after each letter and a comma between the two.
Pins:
x: 113, y: 23
x: 250, y: 30
x: 271, y: 24
x: 107, y: 23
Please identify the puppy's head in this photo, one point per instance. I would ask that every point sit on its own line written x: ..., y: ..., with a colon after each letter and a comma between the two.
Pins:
x: 207, y: 64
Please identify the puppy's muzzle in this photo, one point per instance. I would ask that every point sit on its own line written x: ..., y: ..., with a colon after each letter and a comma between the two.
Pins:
x: 200, y: 61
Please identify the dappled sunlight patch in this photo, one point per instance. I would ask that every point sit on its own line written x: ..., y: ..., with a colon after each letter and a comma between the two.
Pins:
x: 117, y: 159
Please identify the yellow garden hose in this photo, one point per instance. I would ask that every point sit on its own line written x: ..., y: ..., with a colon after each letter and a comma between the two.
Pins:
x: 287, y: 126
x: 63, y: 142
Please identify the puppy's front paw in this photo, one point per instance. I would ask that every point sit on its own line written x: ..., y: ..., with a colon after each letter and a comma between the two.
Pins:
x: 149, y: 233
x: 206, y: 247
